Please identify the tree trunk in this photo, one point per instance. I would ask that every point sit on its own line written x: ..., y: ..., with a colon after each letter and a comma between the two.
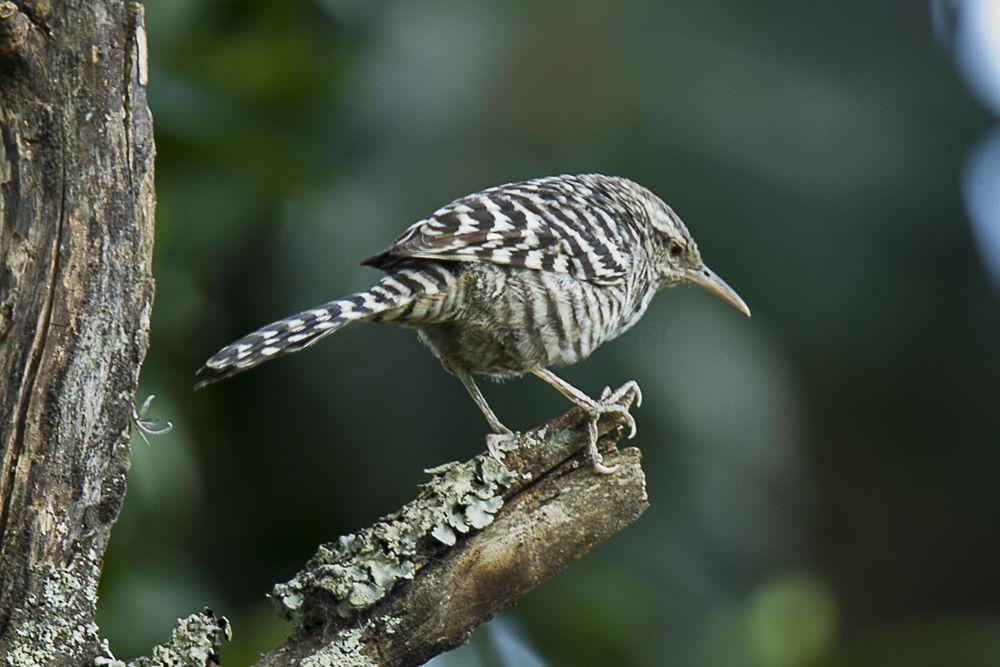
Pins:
x: 76, y: 240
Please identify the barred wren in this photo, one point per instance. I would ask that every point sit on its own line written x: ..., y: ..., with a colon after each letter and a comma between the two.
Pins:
x: 514, y: 279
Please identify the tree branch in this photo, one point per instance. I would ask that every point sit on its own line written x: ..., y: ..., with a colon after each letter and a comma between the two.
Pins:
x: 411, y: 585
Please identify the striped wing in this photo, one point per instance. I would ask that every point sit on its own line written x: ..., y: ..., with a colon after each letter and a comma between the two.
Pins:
x: 565, y: 224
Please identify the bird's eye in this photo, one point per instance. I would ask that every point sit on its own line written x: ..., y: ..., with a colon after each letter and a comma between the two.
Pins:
x: 676, y: 249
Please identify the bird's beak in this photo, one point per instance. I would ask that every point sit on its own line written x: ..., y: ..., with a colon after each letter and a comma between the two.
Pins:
x: 705, y: 277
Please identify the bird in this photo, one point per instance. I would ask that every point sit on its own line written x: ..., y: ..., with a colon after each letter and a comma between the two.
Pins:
x: 515, y: 279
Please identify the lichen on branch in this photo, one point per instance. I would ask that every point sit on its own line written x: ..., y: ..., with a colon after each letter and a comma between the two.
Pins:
x: 477, y: 537
x: 194, y: 642
x: 357, y: 570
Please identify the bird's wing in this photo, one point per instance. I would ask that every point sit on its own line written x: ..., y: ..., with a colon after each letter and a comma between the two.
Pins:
x: 561, y: 224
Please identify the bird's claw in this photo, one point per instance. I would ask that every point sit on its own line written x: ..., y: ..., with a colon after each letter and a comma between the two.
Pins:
x: 630, y: 422
x: 614, y: 402
x: 634, y: 386
x: 611, y: 402
x: 602, y: 469
x: 611, y: 407
x: 630, y: 387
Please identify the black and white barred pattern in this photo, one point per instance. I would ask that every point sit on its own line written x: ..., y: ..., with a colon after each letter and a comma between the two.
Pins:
x: 518, y: 276
x: 585, y: 226
x: 514, y: 279
x: 516, y: 319
x: 403, y: 294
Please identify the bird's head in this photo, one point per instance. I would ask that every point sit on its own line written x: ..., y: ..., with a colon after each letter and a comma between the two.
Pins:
x: 677, y: 257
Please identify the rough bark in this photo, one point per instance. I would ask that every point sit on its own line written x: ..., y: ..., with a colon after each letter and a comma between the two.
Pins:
x: 409, y: 587
x: 76, y: 236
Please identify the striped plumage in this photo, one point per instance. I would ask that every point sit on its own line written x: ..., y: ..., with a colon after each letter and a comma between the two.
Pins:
x: 513, y: 279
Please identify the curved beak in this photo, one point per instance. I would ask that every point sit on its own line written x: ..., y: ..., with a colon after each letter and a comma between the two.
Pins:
x: 705, y: 277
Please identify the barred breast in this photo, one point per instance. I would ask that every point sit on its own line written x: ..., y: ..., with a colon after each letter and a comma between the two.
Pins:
x: 503, y: 321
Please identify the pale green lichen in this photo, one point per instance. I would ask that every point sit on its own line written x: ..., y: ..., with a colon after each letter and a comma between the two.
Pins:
x: 193, y: 643
x: 541, y: 437
x: 55, y: 621
x: 357, y: 570
x: 389, y: 624
x: 345, y: 652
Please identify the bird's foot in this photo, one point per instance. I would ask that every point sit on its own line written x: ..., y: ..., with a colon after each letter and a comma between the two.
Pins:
x: 618, y: 395
x: 611, y: 402
x: 496, y: 443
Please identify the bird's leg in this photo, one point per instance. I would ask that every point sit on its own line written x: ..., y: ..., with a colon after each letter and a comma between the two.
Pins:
x: 500, y: 432
x: 609, y: 403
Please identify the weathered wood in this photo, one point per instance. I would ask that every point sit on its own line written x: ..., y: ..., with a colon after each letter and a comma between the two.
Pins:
x: 76, y: 238
x: 398, y: 593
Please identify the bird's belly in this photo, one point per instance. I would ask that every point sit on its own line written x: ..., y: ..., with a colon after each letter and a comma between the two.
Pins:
x: 477, y: 349
x: 514, y: 320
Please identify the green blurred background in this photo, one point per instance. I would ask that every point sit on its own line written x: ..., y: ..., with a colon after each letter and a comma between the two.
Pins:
x: 824, y: 478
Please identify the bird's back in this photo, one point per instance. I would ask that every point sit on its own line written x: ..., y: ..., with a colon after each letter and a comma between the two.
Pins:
x: 545, y: 271
x: 588, y: 226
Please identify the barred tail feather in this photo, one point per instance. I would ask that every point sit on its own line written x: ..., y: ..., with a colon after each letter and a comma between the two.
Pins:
x: 291, y: 334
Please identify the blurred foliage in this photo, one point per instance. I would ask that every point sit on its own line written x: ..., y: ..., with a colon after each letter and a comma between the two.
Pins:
x: 822, y: 477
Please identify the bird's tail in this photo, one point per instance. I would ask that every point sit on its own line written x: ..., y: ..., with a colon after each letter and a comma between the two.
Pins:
x: 393, y: 298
